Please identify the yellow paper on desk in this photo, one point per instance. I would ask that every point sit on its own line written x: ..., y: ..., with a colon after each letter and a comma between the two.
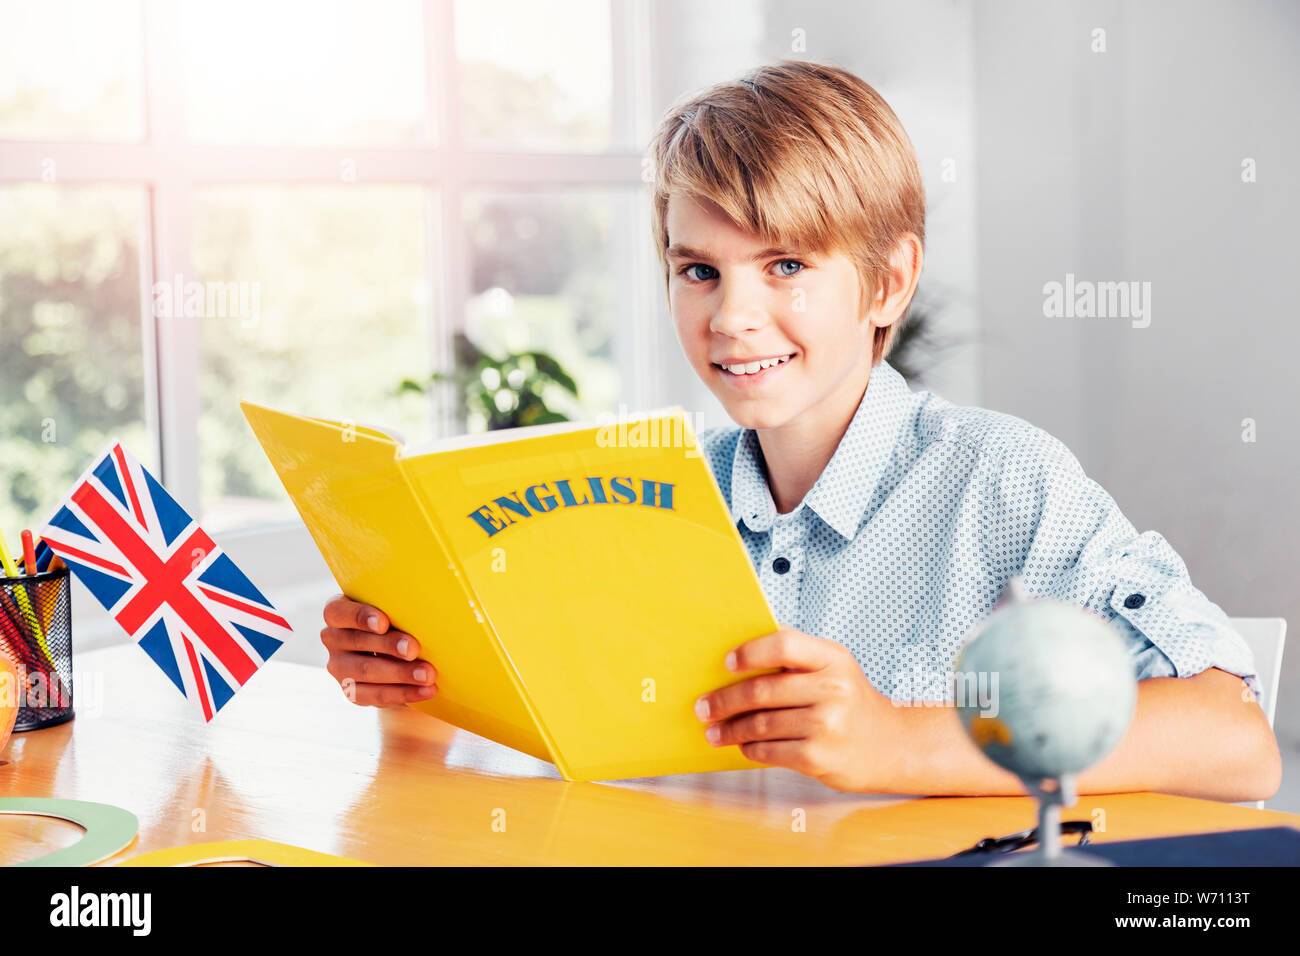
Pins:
x: 577, y: 586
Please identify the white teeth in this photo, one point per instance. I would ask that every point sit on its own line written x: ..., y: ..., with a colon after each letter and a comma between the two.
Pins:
x: 749, y: 368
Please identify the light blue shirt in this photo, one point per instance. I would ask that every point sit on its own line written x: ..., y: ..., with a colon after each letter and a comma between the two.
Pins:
x: 921, y: 516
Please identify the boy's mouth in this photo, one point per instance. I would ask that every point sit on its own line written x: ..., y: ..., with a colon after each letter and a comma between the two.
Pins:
x: 751, y: 372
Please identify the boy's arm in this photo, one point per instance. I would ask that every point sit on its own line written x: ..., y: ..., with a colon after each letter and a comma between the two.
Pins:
x: 1068, y: 540
x: 1200, y: 736
x: 1197, y: 730
x: 1203, y: 735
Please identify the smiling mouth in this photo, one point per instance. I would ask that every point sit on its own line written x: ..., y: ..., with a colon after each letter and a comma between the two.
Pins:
x: 742, y: 370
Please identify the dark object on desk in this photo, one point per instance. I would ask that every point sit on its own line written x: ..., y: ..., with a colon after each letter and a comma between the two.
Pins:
x: 993, y: 846
x: 1268, y: 846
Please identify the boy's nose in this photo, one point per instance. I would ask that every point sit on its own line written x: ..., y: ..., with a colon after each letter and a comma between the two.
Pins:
x: 738, y: 312
x: 737, y: 322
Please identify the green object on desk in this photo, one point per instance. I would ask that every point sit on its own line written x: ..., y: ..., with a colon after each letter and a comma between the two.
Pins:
x: 108, y: 828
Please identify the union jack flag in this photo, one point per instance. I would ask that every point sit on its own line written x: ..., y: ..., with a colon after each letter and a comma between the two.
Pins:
x: 160, y: 576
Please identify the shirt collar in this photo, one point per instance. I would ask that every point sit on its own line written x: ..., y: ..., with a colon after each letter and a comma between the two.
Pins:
x: 848, y: 482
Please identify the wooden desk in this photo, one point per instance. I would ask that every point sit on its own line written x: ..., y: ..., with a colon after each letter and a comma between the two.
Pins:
x: 291, y: 760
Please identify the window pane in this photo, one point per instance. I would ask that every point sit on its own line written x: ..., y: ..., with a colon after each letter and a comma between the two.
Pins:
x: 70, y: 69
x: 543, y: 278
x: 332, y: 315
x: 71, y: 365
x: 329, y: 73
x: 534, y: 75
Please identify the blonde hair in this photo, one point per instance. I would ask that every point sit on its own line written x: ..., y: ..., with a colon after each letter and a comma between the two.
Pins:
x: 808, y: 156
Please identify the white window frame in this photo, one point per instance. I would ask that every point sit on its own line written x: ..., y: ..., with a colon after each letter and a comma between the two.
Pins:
x: 169, y: 168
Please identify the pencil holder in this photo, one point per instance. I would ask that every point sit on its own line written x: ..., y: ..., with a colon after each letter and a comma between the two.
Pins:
x: 36, y: 632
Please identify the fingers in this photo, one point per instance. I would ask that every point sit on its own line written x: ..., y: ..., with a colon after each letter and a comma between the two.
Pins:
x: 767, y: 691
x: 375, y: 664
x: 393, y: 643
x: 380, y: 681
x: 795, y: 723
x: 778, y: 738
x: 385, y: 695
x: 343, y: 612
x: 793, y: 754
x: 786, y: 648
x: 378, y: 669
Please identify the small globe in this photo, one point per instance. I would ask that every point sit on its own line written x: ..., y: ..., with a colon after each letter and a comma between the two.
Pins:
x: 1057, y: 688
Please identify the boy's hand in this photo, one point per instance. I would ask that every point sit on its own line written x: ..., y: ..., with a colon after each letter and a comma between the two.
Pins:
x: 375, y: 666
x: 820, y: 716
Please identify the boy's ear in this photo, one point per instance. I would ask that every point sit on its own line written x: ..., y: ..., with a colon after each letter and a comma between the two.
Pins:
x: 898, y: 284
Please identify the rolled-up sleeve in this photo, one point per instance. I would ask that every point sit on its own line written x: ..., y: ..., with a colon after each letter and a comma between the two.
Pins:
x: 1069, y: 540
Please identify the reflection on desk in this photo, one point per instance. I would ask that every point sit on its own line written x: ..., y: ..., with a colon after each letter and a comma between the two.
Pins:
x: 291, y: 760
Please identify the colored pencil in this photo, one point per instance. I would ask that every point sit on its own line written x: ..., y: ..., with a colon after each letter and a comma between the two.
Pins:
x: 24, y: 603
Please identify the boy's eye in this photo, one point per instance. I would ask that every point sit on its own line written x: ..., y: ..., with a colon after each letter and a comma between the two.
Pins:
x: 712, y: 272
x: 698, y: 265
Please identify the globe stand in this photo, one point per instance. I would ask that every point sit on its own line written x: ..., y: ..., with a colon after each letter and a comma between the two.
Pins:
x: 1049, y: 851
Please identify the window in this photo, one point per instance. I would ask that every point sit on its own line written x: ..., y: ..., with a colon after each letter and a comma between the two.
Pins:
x: 541, y: 277
x: 325, y: 74
x: 346, y: 184
x: 59, y: 83
x: 72, y: 370
x: 523, y: 92
x: 325, y: 304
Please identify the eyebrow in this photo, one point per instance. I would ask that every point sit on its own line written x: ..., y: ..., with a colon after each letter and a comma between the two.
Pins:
x: 679, y: 251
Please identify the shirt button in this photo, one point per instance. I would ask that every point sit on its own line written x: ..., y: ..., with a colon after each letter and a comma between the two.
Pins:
x: 1134, y: 601
x: 781, y: 565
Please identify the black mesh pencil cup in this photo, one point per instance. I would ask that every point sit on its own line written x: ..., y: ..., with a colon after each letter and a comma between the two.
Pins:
x: 36, y: 633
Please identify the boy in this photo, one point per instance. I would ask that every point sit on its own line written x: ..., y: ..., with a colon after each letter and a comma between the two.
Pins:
x: 789, y: 215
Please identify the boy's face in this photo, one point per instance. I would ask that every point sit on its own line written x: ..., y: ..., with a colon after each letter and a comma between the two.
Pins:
x: 735, y: 301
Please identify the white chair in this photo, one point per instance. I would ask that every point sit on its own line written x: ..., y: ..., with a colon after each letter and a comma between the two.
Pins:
x: 1265, y: 637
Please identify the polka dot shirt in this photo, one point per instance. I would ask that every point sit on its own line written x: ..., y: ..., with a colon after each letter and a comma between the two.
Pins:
x: 919, y: 519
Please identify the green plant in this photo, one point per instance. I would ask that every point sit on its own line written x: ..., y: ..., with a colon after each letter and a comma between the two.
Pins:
x: 506, y: 392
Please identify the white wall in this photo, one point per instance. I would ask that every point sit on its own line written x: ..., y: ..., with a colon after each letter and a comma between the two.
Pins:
x: 1126, y: 165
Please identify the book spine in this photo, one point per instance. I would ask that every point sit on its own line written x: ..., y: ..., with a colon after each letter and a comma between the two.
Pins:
x: 481, y: 614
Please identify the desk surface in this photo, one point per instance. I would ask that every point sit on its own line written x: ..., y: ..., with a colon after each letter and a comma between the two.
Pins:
x: 291, y: 760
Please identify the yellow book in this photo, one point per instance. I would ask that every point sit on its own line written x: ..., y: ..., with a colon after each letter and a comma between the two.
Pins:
x: 577, y: 586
